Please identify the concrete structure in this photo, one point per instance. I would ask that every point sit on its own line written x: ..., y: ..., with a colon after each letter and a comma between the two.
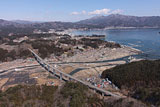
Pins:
x: 66, y: 77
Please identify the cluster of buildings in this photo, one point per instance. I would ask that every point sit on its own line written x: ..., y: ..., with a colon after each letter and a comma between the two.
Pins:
x: 104, y: 83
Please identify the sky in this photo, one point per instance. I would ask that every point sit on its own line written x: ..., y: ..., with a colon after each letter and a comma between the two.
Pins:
x: 74, y: 10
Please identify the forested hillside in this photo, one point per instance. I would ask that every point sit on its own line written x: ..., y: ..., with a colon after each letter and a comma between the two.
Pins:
x: 141, y: 79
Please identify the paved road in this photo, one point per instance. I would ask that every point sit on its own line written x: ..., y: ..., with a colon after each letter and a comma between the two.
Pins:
x: 64, y: 74
x: 68, y: 63
x: 68, y: 77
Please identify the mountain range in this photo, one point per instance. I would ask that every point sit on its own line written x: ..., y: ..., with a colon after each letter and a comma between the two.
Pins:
x: 114, y: 20
x: 117, y: 20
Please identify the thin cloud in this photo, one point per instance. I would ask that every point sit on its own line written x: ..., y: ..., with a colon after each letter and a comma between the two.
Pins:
x: 84, y: 12
x: 104, y: 11
x: 118, y: 11
x: 75, y: 13
x: 100, y: 12
x: 79, y: 13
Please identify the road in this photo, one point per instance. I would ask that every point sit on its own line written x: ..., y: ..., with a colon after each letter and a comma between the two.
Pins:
x: 68, y: 77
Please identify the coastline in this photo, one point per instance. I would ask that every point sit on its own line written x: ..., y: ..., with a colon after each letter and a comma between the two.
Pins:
x: 97, y: 60
x: 94, y: 60
x: 137, y: 50
x: 109, y: 28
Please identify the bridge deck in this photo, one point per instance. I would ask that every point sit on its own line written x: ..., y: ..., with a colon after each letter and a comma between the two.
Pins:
x: 68, y: 77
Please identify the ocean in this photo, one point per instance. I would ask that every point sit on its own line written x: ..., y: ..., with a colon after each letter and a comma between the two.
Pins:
x: 144, y: 39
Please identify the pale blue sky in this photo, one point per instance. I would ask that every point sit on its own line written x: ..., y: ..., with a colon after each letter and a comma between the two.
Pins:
x: 74, y: 10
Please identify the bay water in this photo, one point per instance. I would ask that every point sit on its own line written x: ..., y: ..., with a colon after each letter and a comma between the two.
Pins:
x: 144, y: 39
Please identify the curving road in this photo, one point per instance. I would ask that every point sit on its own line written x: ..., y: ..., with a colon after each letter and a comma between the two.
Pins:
x: 67, y: 77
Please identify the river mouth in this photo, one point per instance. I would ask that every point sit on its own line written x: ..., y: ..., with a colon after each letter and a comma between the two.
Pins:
x: 147, y: 40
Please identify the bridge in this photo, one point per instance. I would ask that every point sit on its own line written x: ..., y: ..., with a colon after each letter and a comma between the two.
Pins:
x: 66, y: 77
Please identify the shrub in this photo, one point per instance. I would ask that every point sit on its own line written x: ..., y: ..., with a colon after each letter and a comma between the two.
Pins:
x: 3, y: 54
x: 77, y: 93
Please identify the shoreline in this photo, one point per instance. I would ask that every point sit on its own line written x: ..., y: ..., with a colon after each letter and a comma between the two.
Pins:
x: 69, y: 31
x: 135, y: 49
x: 110, y: 28
x: 94, y: 60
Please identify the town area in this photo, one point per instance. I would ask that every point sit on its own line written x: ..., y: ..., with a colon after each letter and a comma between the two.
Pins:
x: 82, y: 57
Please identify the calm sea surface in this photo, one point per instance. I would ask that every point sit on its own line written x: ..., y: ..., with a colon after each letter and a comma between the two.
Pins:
x: 146, y: 40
